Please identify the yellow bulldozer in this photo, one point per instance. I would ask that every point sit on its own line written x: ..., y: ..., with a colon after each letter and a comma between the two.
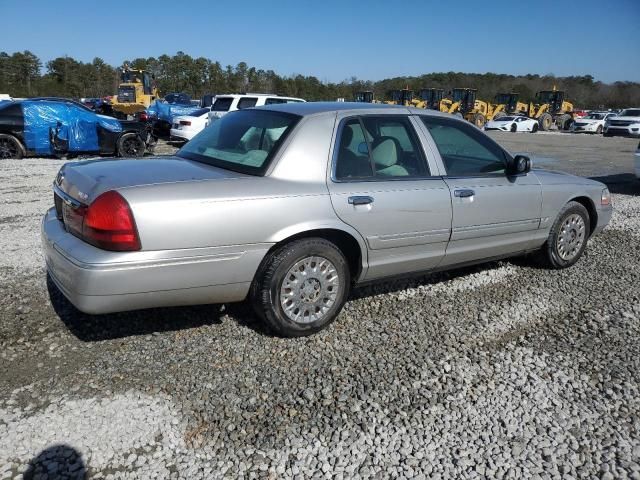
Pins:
x: 136, y: 91
x: 551, y: 107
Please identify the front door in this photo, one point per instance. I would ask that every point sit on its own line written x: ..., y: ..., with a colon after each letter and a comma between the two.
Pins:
x: 494, y: 214
x: 381, y: 185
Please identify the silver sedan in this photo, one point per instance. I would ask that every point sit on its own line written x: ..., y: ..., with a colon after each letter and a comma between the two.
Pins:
x: 292, y: 205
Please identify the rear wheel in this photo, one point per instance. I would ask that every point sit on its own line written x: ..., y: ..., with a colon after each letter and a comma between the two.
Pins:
x: 514, y: 127
x: 567, y: 238
x: 10, y: 147
x: 545, y: 121
x: 478, y: 120
x: 564, y: 122
x: 301, y: 288
x: 130, y: 145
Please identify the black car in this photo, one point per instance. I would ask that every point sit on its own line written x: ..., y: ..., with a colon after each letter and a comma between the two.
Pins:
x: 57, y: 127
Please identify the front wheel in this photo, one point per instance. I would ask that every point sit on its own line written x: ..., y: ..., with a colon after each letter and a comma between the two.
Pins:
x: 534, y: 129
x: 131, y: 145
x: 567, y: 238
x: 599, y: 129
x: 301, y: 287
x: 514, y: 128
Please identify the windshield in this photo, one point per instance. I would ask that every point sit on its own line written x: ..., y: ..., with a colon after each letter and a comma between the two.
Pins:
x: 505, y: 119
x: 631, y: 112
x: 595, y: 116
x: 222, y: 104
x: 243, y: 141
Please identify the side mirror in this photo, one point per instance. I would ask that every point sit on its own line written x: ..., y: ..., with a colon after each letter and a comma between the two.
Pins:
x: 520, y: 165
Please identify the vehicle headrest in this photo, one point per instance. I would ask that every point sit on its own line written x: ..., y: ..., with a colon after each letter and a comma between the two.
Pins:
x: 347, y: 136
x: 385, y: 152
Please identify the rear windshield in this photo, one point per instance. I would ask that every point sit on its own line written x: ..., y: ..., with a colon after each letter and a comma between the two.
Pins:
x: 222, y: 104
x: 243, y: 141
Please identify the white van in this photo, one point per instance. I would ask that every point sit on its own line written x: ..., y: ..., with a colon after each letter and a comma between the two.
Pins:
x: 228, y: 103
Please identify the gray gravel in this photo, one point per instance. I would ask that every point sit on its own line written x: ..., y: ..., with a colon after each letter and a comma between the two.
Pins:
x: 498, y: 371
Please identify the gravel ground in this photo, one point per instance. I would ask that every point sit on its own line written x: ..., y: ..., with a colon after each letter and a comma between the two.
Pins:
x: 499, y: 371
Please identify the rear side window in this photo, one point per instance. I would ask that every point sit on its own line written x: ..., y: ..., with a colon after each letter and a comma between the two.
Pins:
x: 274, y: 101
x: 241, y: 141
x: 247, y: 102
x: 465, y: 151
x: 379, y: 148
x: 222, y: 104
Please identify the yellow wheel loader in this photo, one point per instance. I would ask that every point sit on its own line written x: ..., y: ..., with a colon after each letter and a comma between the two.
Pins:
x: 464, y: 104
x: 433, y: 99
x: 401, y: 97
x: 551, y: 107
x: 136, y: 91
x: 363, y: 97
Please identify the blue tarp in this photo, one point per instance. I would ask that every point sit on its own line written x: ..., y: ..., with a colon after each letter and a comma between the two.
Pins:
x: 167, y: 111
x: 68, y: 121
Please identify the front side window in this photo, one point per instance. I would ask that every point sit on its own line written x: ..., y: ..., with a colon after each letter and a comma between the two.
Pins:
x: 247, y: 102
x: 465, y: 151
x: 242, y: 141
x: 379, y: 148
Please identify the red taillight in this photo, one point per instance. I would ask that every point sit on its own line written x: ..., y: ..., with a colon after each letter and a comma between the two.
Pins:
x: 109, y: 224
x: 143, y: 117
x: 185, y: 122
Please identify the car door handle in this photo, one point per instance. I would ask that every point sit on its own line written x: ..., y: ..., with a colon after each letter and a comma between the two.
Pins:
x: 360, y: 200
x: 464, y: 193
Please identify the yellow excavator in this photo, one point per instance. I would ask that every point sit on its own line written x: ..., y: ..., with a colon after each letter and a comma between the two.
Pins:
x: 136, y: 91
x: 551, y: 107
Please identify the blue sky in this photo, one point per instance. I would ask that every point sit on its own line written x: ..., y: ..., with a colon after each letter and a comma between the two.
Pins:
x: 335, y: 40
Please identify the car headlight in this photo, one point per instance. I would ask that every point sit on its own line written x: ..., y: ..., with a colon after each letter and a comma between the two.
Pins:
x: 605, y: 197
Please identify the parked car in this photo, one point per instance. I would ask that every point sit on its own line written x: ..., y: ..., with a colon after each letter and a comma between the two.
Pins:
x: 186, y: 127
x: 224, y: 104
x: 626, y: 124
x: 46, y: 126
x: 592, y: 123
x: 513, y: 124
x: 291, y: 205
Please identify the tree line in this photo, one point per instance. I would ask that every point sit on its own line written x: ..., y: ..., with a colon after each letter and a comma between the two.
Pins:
x: 22, y: 74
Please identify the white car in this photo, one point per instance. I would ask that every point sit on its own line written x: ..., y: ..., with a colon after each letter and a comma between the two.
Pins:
x: 228, y: 103
x: 592, y: 123
x: 626, y: 124
x: 185, y: 127
x: 513, y: 124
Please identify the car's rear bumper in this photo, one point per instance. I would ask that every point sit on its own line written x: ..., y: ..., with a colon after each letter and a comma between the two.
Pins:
x: 97, y: 281
x: 183, y: 135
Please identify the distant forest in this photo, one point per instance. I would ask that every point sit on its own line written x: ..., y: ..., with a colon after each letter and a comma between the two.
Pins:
x: 22, y: 75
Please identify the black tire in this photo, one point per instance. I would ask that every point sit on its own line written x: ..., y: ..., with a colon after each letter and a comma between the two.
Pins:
x: 599, y: 129
x: 269, y: 285
x: 535, y: 127
x: 478, y: 120
x: 10, y: 147
x: 514, y: 128
x: 551, y: 254
x: 131, y: 145
x: 545, y: 121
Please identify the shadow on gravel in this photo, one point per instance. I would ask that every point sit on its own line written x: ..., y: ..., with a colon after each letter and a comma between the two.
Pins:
x: 56, y: 461
x: 91, y: 328
x: 624, y: 183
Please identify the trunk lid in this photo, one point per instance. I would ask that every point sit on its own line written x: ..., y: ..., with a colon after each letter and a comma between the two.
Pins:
x: 84, y: 181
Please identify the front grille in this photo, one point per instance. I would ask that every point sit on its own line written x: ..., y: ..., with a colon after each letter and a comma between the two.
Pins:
x: 621, y: 123
x: 579, y: 124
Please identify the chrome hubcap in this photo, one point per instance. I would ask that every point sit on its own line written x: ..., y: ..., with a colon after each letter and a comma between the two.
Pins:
x: 571, y: 237
x: 309, y: 289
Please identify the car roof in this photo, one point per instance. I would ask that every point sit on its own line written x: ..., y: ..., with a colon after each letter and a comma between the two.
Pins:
x: 313, y: 108
x: 249, y: 94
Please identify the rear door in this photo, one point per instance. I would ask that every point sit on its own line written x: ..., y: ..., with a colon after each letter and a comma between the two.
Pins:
x: 387, y: 187
x: 493, y: 213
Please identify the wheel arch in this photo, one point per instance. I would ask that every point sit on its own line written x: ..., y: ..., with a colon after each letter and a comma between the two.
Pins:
x: 349, y: 242
x: 587, y: 203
